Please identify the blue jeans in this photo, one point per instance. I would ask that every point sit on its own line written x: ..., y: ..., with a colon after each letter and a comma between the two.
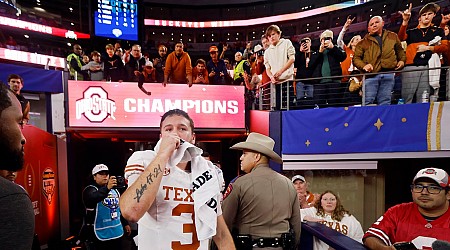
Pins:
x: 304, y: 90
x: 380, y: 88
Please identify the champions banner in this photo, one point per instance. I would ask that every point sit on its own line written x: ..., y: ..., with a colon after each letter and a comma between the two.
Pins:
x: 111, y: 104
x: 395, y: 128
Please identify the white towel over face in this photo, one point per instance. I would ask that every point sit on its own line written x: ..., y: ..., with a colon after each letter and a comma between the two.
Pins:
x: 205, y: 185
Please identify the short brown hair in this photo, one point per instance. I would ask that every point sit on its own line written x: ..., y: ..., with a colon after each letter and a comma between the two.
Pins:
x: 200, y: 61
x: 109, y: 46
x: 95, y: 53
x: 273, y: 27
x: 14, y: 76
x: 178, y: 112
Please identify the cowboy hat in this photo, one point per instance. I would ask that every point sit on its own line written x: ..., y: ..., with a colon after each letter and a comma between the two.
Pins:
x: 261, y: 144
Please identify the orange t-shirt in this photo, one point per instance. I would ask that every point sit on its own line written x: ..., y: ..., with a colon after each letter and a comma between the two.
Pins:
x: 347, y: 64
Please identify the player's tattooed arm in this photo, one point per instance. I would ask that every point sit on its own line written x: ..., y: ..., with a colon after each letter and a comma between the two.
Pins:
x: 150, y: 179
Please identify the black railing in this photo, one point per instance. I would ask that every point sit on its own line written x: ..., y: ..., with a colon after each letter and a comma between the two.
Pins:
x: 281, y: 96
x: 331, y: 237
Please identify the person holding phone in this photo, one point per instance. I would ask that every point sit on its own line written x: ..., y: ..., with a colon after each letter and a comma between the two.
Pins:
x: 304, y: 88
x: 328, y: 90
x: 427, y: 216
x: 103, y: 223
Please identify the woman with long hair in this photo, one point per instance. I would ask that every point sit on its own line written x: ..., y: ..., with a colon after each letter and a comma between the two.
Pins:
x: 329, y: 211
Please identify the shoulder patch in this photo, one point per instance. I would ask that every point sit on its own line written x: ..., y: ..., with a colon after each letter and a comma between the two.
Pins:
x: 230, y: 187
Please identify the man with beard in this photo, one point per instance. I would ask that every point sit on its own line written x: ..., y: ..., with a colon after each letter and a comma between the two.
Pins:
x: 16, y: 84
x: 160, y: 63
x: 17, y: 215
x: 178, y: 67
x: 427, y: 216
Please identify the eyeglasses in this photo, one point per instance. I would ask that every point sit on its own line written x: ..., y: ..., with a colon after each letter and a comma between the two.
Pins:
x: 417, y: 188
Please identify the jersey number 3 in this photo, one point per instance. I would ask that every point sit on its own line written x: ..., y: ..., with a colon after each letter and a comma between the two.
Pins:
x: 187, y: 228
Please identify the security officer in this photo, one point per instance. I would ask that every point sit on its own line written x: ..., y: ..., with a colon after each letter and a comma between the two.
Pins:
x: 262, y: 205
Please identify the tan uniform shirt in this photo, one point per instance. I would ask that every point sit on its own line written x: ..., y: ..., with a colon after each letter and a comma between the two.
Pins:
x: 263, y: 204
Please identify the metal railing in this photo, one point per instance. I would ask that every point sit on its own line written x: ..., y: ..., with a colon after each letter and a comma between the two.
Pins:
x: 282, y: 96
x: 333, y: 238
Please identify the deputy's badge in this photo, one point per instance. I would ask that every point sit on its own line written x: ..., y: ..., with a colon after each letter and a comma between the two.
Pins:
x: 48, y: 184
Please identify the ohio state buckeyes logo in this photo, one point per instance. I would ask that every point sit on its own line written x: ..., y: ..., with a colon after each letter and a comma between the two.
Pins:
x: 95, y: 105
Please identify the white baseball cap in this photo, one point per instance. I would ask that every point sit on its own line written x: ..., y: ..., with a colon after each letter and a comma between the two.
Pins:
x: 98, y: 168
x: 257, y: 48
x: 148, y: 63
x: 436, y: 174
x: 298, y: 177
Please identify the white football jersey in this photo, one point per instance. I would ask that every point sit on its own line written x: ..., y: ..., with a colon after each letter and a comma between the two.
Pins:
x: 170, y: 221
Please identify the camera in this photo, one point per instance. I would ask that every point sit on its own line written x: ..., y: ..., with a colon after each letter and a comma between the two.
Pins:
x: 121, y: 183
x: 260, y: 53
x: 327, y: 38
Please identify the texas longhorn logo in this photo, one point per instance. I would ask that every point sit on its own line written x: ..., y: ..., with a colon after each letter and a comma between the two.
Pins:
x: 95, y: 105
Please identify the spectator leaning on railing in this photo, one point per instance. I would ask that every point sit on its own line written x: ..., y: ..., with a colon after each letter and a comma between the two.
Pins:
x: 113, y: 66
x: 279, y: 57
x: 379, y: 51
x: 330, y: 212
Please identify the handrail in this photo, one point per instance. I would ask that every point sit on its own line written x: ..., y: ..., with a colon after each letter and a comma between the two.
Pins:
x: 331, y: 237
x: 279, y: 99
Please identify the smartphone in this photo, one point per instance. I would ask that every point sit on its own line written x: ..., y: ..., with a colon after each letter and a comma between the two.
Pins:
x: 405, y: 246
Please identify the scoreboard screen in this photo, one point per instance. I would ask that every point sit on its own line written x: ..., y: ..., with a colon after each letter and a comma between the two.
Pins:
x: 117, y: 19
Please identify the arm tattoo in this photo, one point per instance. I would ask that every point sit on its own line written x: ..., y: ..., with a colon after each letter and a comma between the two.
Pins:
x: 149, y: 179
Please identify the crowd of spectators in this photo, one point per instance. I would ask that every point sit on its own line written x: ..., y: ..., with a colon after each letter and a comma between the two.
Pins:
x: 321, y: 66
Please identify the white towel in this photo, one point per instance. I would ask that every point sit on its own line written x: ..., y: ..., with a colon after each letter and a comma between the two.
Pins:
x: 434, y: 74
x: 205, y: 183
x: 434, y: 62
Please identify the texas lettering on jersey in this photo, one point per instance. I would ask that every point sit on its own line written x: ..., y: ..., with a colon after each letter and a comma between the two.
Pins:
x: 341, y: 228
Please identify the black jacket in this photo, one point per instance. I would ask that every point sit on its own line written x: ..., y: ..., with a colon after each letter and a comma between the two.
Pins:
x: 133, y: 65
x: 114, y: 68
x: 335, y: 56
x: 92, y: 196
x: 300, y: 64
